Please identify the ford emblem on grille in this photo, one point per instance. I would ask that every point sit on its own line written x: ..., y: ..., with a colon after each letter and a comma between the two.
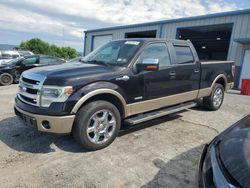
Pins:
x: 23, y: 89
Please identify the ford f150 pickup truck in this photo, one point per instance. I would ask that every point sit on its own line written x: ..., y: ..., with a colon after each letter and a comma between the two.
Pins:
x: 128, y: 81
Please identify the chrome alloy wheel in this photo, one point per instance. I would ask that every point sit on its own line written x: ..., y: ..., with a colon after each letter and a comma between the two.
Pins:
x: 218, y: 97
x: 101, y: 126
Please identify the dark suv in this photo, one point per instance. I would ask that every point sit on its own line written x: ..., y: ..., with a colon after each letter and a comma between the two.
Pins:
x: 11, y: 71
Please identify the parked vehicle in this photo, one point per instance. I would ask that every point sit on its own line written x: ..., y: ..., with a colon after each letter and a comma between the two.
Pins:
x: 225, y: 161
x: 25, y: 53
x: 132, y: 80
x: 6, y: 56
x: 10, y: 72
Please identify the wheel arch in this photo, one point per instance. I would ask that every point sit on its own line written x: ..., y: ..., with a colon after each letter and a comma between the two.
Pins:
x: 109, y: 95
x: 220, y: 79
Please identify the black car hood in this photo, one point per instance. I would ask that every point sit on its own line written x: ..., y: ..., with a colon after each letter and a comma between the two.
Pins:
x: 73, y: 73
x: 235, y: 151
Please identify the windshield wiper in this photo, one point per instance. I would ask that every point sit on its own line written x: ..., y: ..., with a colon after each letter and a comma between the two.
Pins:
x: 98, y: 62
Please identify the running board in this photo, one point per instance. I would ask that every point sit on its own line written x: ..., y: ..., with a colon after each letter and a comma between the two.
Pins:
x: 158, y: 113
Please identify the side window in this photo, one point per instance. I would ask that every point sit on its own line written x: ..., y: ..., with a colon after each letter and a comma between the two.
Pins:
x: 47, y: 60
x: 30, y: 61
x: 156, y: 51
x: 183, y: 54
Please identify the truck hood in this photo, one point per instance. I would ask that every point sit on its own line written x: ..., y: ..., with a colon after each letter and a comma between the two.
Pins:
x: 235, y: 151
x: 74, y: 73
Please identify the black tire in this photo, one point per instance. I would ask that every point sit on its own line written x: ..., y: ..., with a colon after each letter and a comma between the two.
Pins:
x: 215, y: 100
x: 6, y: 79
x: 88, y: 115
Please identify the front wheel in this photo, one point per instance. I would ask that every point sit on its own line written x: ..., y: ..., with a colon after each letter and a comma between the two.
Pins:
x: 215, y: 100
x: 97, y: 125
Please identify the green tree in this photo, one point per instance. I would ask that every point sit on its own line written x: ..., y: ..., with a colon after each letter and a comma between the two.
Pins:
x: 37, y: 46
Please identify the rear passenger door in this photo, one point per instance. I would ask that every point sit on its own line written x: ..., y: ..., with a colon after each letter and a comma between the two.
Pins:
x: 186, y: 70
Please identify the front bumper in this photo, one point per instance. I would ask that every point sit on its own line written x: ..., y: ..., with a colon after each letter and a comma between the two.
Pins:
x: 45, y: 123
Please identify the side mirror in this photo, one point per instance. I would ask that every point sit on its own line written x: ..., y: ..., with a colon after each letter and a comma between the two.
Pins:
x: 148, y: 65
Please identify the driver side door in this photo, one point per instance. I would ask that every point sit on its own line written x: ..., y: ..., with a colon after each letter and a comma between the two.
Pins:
x: 159, y: 83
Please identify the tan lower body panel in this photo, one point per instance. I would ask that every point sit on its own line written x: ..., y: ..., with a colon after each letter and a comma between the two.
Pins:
x: 204, y: 92
x: 148, y: 105
x: 58, y: 124
x: 229, y: 86
x: 153, y: 104
x: 207, y: 91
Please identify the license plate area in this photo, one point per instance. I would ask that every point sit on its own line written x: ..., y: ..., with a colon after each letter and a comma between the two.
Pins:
x: 30, y: 121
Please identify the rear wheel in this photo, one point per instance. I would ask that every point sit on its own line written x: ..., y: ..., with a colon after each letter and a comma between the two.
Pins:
x: 6, y: 79
x: 215, y: 100
x: 97, y: 125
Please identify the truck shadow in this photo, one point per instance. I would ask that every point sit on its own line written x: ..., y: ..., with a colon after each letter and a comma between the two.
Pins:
x: 21, y: 137
x: 126, y: 129
x: 181, y: 171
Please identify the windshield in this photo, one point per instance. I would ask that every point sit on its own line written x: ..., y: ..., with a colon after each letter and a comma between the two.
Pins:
x: 114, y: 53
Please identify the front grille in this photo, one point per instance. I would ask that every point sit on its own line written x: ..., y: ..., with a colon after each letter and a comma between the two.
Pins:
x: 29, y: 89
x: 30, y: 100
x: 27, y: 80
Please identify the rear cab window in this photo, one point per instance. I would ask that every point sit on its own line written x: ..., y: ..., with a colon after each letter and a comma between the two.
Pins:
x: 183, y: 54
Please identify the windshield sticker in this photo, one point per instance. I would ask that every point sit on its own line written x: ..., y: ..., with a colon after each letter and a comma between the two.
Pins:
x: 132, y: 42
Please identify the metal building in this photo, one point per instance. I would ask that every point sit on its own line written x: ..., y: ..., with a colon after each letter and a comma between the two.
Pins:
x: 220, y: 36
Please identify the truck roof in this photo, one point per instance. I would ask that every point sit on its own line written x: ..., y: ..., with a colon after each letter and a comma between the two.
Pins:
x: 154, y: 39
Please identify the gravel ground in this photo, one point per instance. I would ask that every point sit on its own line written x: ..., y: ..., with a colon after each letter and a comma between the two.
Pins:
x: 159, y: 153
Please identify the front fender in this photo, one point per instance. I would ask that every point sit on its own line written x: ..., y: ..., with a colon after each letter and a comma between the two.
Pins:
x: 93, y: 89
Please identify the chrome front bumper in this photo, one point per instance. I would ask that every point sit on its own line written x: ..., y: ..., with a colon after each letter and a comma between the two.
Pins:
x: 52, y: 124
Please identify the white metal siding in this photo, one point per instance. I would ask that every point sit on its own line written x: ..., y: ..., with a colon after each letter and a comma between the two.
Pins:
x: 100, y: 40
x: 241, y: 29
x: 245, y: 71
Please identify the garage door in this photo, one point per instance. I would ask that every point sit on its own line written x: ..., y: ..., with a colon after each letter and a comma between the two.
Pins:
x: 100, y: 40
x: 211, y: 42
x: 245, y: 71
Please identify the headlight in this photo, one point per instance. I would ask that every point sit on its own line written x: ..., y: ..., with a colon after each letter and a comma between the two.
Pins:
x: 51, y: 94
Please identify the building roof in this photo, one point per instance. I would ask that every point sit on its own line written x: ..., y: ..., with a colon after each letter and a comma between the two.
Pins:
x: 221, y: 14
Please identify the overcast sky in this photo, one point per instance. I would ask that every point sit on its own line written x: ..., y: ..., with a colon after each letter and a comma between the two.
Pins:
x: 62, y: 22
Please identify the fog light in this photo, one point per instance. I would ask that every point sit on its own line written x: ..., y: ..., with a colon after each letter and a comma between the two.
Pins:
x: 46, y: 124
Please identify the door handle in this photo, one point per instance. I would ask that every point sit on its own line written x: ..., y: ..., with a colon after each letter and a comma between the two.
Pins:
x: 172, y: 73
x: 196, y: 70
x: 123, y: 78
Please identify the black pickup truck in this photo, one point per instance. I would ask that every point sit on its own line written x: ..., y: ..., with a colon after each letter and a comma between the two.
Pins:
x: 128, y: 81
